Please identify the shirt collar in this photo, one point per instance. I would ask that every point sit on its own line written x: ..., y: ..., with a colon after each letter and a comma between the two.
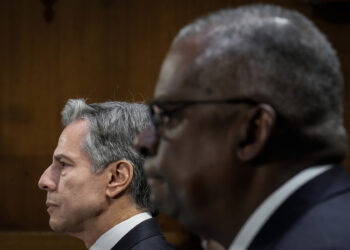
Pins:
x: 113, y: 235
x: 257, y: 219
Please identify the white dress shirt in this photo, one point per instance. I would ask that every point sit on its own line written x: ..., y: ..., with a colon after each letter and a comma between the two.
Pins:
x: 113, y: 235
x: 257, y: 219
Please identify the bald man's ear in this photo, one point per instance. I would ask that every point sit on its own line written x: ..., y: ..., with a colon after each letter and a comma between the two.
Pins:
x: 120, y: 174
x: 255, y: 132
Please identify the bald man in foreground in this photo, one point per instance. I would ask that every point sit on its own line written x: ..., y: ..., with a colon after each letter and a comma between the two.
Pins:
x: 247, y: 137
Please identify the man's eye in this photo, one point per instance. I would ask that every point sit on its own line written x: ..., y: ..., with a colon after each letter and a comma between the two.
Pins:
x: 166, y: 119
x: 172, y: 120
x: 63, y: 164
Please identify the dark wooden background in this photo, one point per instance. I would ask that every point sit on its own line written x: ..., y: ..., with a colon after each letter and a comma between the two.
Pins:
x: 100, y: 50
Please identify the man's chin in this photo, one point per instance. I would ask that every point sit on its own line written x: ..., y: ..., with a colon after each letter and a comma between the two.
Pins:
x: 59, y: 227
x: 56, y: 228
x: 164, y: 201
x: 167, y: 208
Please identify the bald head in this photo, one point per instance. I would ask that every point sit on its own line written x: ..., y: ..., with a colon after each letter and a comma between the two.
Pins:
x: 275, y: 56
x: 246, y: 99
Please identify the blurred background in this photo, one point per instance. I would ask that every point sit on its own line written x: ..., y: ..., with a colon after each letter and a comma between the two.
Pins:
x: 53, y: 50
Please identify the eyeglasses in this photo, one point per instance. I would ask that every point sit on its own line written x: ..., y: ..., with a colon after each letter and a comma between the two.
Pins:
x: 162, y: 112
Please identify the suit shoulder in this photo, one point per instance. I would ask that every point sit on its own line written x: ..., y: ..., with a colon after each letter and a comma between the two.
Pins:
x: 156, y: 242
x: 325, y: 226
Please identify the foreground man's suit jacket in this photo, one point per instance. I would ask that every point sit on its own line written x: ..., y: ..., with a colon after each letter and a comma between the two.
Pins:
x: 145, y: 236
x: 315, y: 217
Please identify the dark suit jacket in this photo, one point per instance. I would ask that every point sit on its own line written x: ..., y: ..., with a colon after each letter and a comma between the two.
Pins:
x: 315, y: 217
x: 145, y: 236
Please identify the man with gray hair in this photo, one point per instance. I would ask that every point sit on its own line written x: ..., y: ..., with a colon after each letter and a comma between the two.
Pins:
x: 96, y: 188
x: 247, y: 135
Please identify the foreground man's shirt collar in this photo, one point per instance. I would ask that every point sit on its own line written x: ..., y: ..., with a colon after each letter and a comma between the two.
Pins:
x: 257, y: 219
x: 112, y: 236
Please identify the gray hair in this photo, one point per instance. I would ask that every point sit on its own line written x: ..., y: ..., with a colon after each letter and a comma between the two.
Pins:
x: 276, y: 56
x: 113, y: 127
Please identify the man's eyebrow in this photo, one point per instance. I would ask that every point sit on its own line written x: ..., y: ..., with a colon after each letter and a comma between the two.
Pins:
x: 166, y: 98
x: 59, y: 157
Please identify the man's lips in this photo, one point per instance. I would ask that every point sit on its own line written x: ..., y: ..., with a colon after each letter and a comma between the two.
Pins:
x: 154, y: 177
x: 50, y: 206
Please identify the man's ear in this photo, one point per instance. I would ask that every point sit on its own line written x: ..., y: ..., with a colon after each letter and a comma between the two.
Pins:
x: 255, y: 132
x: 120, y: 174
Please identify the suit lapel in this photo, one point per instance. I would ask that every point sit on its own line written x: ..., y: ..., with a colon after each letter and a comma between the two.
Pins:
x: 331, y: 183
x: 144, y: 230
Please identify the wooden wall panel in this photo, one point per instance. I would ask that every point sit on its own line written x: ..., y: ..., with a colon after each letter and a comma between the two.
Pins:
x: 100, y: 50
x: 39, y: 240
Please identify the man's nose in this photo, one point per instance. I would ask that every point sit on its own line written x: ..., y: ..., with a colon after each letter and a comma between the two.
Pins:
x: 47, y: 180
x: 147, y: 142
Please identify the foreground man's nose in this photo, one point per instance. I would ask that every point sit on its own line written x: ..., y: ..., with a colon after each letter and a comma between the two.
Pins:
x: 147, y: 142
